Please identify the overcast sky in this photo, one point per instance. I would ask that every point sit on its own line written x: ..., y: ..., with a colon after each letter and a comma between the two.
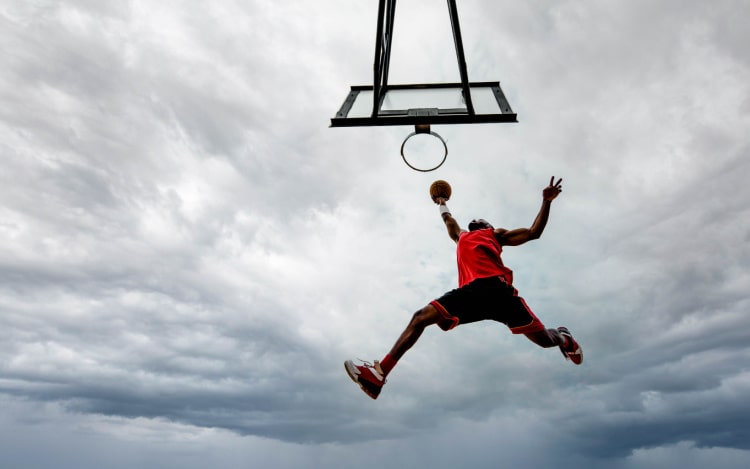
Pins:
x: 188, y: 252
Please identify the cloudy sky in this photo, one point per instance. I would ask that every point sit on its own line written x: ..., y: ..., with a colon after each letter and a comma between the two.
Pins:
x: 188, y: 252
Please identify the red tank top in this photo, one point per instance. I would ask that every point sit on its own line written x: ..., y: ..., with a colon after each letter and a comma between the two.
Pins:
x: 478, y: 256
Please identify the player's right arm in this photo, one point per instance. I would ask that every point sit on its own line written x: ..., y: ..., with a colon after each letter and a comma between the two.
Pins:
x: 454, y: 230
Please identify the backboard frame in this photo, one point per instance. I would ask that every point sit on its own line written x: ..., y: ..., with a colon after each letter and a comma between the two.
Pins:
x: 425, y: 115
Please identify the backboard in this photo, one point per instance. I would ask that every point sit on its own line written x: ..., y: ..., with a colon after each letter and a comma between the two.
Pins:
x: 424, y: 104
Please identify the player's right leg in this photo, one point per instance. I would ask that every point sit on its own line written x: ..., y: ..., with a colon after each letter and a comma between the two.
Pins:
x: 426, y: 316
x: 371, y: 378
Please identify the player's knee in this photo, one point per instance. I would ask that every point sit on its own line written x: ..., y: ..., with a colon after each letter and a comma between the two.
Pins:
x: 416, y: 319
x: 424, y: 317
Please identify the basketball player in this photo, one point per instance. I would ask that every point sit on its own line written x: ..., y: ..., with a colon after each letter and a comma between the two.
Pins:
x: 485, y: 291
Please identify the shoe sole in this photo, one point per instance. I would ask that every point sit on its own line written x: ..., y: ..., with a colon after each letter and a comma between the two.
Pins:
x: 578, y: 354
x: 351, y: 370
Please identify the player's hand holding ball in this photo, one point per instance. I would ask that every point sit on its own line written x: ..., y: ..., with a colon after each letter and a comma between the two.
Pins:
x: 440, y: 191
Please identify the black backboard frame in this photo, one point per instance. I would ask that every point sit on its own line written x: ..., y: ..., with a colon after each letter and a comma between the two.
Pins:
x: 418, y: 116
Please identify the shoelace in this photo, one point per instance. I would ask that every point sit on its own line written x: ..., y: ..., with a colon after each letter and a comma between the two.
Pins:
x: 375, y: 366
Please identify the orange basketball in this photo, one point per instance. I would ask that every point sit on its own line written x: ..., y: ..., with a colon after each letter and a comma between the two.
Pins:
x: 440, y: 188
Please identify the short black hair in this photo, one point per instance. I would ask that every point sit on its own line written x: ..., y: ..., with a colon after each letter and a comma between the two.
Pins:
x: 479, y: 224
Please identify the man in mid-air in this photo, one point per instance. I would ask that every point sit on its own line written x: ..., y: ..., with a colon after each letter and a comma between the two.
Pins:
x: 485, y: 291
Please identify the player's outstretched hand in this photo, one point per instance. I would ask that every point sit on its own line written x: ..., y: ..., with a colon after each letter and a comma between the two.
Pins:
x: 553, y: 190
x: 440, y: 200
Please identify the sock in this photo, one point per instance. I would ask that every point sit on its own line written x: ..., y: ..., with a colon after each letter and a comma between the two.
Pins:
x: 387, y: 364
x: 561, y: 338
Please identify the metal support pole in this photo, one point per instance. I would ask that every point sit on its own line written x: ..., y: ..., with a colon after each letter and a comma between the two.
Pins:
x: 453, y: 11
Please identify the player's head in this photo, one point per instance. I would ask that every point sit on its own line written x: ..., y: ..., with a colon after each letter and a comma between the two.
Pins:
x: 479, y: 224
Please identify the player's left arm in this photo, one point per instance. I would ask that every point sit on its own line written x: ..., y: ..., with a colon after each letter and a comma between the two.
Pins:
x: 522, y: 235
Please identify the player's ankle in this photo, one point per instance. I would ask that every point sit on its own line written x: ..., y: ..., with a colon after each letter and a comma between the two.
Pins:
x: 387, y: 364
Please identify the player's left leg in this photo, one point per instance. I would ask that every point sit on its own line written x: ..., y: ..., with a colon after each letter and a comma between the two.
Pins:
x: 545, y: 338
x: 521, y: 320
x: 560, y: 337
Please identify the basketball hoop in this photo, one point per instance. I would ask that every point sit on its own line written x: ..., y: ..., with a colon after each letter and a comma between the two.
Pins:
x: 424, y: 129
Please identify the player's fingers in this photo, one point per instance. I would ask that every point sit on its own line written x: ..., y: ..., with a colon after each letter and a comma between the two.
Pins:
x: 558, y: 181
x: 551, y: 180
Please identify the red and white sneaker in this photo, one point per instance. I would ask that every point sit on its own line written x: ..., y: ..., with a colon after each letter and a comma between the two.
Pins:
x: 369, y: 377
x: 571, y: 350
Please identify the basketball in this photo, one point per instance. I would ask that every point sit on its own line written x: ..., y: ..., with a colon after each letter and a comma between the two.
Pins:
x: 440, y: 188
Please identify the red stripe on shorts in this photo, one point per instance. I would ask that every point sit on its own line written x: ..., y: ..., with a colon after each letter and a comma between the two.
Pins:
x: 449, y: 321
x: 534, y: 326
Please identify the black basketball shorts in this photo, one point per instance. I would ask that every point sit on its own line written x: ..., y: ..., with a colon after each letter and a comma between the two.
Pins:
x: 486, y: 298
